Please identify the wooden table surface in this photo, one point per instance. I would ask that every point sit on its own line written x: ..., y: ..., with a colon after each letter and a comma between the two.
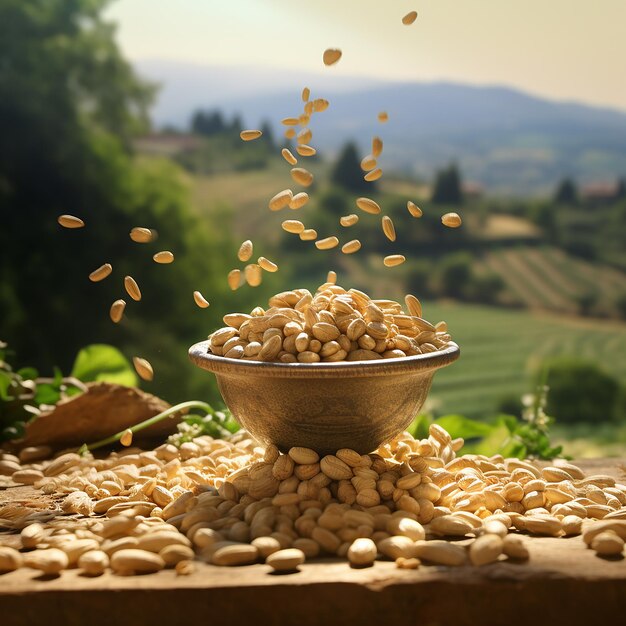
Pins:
x: 563, y: 583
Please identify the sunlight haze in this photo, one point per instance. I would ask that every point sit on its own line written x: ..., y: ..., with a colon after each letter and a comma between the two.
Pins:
x: 560, y: 49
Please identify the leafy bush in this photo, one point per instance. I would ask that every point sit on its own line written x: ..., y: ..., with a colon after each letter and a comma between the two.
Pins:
x: 419, y: 272
x: 586, y: 302
x: 454, y: 274
x: 620, y: 303
x: 455, y: 277
x: 580, y: 391
x: 484, y: 288
x: 335, y: 202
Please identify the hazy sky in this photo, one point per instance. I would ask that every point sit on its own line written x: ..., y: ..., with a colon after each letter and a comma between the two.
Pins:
x: 564, y: 49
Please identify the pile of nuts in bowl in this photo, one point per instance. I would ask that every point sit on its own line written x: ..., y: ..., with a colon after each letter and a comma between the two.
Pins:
x: 332, y: 325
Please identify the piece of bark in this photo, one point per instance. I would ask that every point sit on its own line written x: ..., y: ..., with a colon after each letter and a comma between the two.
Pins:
x: 103, y: 410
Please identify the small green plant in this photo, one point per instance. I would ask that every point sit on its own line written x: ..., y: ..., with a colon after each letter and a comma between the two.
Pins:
x: 217, y: 424
x: 533, y: 431
x: 24, y: 395
x: 528, y: 437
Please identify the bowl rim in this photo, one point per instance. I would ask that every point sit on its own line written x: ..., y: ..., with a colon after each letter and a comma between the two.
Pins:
x: 200, y: 356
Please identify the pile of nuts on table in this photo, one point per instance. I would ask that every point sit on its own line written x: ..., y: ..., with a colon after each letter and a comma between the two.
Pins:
x: 233, y: 502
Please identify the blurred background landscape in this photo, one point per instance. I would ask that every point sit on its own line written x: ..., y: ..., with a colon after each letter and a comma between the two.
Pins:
x: 128, y: 114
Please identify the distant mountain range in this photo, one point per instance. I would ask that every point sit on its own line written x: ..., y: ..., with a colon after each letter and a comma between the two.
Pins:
x: 511, y: 142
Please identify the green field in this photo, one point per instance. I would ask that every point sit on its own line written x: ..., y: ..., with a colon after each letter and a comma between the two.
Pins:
x: 501, y: 349
x: 589, y: 441
x: 546, y: 278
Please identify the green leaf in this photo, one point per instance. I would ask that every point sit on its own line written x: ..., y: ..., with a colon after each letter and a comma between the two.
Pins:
x: 47, y: 393
x: 5, y: 384
x: 230, y: 424
x: 419, y: 426
x: 510, y: 421
x: 552, y: 453
x: 497, y: 441
x: 70, y: 390
x: 513, y: 448
x: 58, y: 376
x: 195, y: 419
x: 28, y: 373
x: 101, y: 362
x: 460, y: 426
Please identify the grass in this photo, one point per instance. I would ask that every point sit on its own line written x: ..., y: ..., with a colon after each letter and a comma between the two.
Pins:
x: 247, y: 193
x: 502, y: 226
x: 501, y: 350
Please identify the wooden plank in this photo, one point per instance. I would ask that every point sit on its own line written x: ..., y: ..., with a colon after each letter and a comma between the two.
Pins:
x: 563, y: 583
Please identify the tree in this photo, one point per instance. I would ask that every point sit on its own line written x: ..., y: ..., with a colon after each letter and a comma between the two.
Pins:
x: 347, y: 172
x: 544, y: 215
x: 418, y: 276
x: 335, y: 201
x: 66, y: 70
x: 268, y: 136
x: 455, y: 273
x: 207, y: 123
x: 69, y: 108
x: 448, y: 186
x: 566, y: 192
x: 586, y: 301
x: 484, y: 288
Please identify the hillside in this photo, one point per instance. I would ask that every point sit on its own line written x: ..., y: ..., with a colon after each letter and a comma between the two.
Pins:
x: 501, y: 350
x: 548, y: 279
x: 512, y: 142
x: 536, y: 276
x: 501, y: 347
